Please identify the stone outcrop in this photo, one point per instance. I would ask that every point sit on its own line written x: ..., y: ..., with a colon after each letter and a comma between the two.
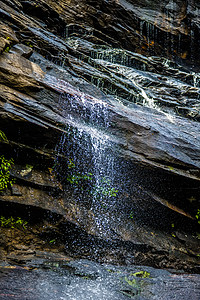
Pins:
x: 64, y: 62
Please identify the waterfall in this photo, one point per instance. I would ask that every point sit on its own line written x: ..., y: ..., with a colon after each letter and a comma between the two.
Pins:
x: 86, y: 163
x: 130, y: 77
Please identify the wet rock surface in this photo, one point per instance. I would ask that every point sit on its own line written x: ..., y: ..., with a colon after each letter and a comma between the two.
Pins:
x: 135, y: 61
x: 75, y: 279
x: 47, y: 234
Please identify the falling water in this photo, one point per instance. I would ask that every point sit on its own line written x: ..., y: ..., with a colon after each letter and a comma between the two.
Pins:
x: 85, y: 161
x: 196, y: 79
x: 132, y: 77
x: 87, y: 149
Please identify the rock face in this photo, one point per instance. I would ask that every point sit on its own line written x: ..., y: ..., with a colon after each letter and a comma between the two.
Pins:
x: 65, y: 64
x: 108, y: 281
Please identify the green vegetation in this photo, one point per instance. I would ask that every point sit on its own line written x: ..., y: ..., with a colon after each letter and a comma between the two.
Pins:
x: 104, y: 189
x: 86, y: 277
x: 113, y: 271
x: 29, y: 44
x: 137, y: 283
x: 7, y: 49
x: 173, y: 228
x: 141, y: 274
x: 52, y: 241
x: 29, y: 167
x: 198, y: 216
x: 3, y: 136
x: 86, y: 182
x: 76, y: 178
x: 13, y: 223
x: 5, y: 167
x: 71, y: 164
x: 131, y: 216
x: 170, y: 168
x: 198, y: 235
x: 132, y: 282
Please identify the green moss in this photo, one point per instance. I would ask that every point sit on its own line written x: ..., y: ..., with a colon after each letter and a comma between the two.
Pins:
x: 170, y: 168
x: 141, y: 274
x: 29, y: 44
x: 7, y: 49
x: 132, y: 282
x: 131, y: 215
x: 137, y: 284
x: 3, y: 136
x: 104, y: 189
x: 5, y: 168
x: 198, y: 216
x: 52, y: 241
x: 13, y: 223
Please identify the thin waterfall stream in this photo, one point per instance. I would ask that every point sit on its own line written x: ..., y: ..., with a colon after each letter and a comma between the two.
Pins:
x: 132, y: 78
x: 89, y: 165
